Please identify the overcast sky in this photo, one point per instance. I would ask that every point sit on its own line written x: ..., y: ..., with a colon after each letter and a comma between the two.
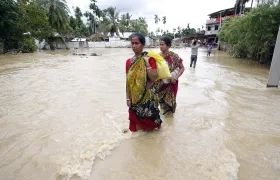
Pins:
x: 178, y: 12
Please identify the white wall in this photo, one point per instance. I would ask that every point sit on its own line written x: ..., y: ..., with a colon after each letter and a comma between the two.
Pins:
x: 40, y: 45
x: 102, y: 44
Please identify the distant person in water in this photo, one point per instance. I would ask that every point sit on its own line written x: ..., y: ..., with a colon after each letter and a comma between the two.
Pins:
x: 167, y: 89
x: 209, y: 49
x: 141, y: 72
x: 194, y: 51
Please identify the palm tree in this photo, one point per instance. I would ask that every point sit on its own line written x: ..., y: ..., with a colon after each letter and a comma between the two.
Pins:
x: 92, y: 22
x: 157, y: 31
x: 95, y: 9
x: 164, y: 21
x: 128, y: 16
x: 139, y: 25
x: 57, y: 15
x: 93, y: 17
x: 174, y: 31
x: 240, y: 6
x: 156, y: 19
x: 110, y: 21
x: 123, y: 23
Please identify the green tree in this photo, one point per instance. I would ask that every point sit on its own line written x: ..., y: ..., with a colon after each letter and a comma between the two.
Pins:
x: 188, y: 31
x: 157, y: 19
x: 179, y: 31
x: 126, y: 24
x: 139, y: 25
x: 164, y: 21
x: 110, y: 21
x: 128, y: 17
x: 93, y: 17
x: 72, y: 22
x: 254, y: 34
x: 168, y: 34
x: 10, y: 28
x: 57, y: 11
x: 240, y: 6
x: 35, y: 21
x: 78, y: 16
x: 79, y: 28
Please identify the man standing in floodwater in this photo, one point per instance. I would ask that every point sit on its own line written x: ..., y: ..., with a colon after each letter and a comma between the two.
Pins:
x: 209, y: 49
x: 194, y: 50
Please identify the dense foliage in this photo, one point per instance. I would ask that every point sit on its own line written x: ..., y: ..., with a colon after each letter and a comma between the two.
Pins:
x: 254, y: 34
x: 24, y: 21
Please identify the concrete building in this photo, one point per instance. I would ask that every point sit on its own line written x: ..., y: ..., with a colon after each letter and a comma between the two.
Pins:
x: 83, y: 42
x: 216, y: 20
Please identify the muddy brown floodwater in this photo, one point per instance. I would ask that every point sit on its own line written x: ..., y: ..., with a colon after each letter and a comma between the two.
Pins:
x: 62, y: 116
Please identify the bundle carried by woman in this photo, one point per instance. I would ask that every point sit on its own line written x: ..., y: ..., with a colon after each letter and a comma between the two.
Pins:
x: 162, y: 66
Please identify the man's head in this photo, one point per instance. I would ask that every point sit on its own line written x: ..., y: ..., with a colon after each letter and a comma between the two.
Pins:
x: 194, y: 41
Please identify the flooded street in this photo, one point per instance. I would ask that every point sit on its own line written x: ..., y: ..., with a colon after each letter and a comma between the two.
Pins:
x: 62, y: 116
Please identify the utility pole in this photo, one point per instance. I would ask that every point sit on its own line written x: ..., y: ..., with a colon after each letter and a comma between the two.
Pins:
x: 274, y: 74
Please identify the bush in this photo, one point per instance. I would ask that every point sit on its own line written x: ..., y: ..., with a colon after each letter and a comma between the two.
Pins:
x: 253, y: 35
x: 27, y: 45
x: 1, y: 47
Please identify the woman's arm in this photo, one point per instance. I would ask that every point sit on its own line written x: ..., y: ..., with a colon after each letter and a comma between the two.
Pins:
x: 128, y: 100
x: 181, y: 70
x: 151, y: 69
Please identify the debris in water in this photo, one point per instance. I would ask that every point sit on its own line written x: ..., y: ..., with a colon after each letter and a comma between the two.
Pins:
x: 94, y: 54
x: 125, y: 130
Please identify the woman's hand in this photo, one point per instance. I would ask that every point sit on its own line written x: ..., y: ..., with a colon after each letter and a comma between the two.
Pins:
x: 146, y: 58
x: 128, y: 103
x: 173, y: 81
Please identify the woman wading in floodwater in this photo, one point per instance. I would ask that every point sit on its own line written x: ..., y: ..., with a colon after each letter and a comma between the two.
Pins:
x: 140, y: 97
x: 167, y: 89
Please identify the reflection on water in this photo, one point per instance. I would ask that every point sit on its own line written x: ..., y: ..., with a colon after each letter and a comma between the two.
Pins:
x: 62, y: 115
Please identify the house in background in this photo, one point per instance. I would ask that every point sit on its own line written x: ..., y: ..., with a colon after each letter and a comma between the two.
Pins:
x: 99, y: 37
x: 216, y: 20
x: 83, y: 42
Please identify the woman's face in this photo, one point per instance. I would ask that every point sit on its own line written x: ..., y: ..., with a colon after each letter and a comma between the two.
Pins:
x: 136, y: 45
x: 163, y: 46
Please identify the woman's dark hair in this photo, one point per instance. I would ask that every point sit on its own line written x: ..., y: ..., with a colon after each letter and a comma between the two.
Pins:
x: 166, y: 40
x: 140, y: 37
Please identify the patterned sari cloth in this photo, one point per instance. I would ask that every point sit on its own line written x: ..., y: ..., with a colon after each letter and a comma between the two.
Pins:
x: 144, y: 110
x: 167, y: 92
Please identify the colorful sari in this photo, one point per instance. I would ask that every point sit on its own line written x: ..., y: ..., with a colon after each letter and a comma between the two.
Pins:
x: 144, y: 110
x: 167, y: 92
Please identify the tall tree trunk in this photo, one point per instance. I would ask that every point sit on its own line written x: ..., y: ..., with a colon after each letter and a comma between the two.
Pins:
x: 240, y: 7
x: 252, y: 3
x: 66, y: 47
